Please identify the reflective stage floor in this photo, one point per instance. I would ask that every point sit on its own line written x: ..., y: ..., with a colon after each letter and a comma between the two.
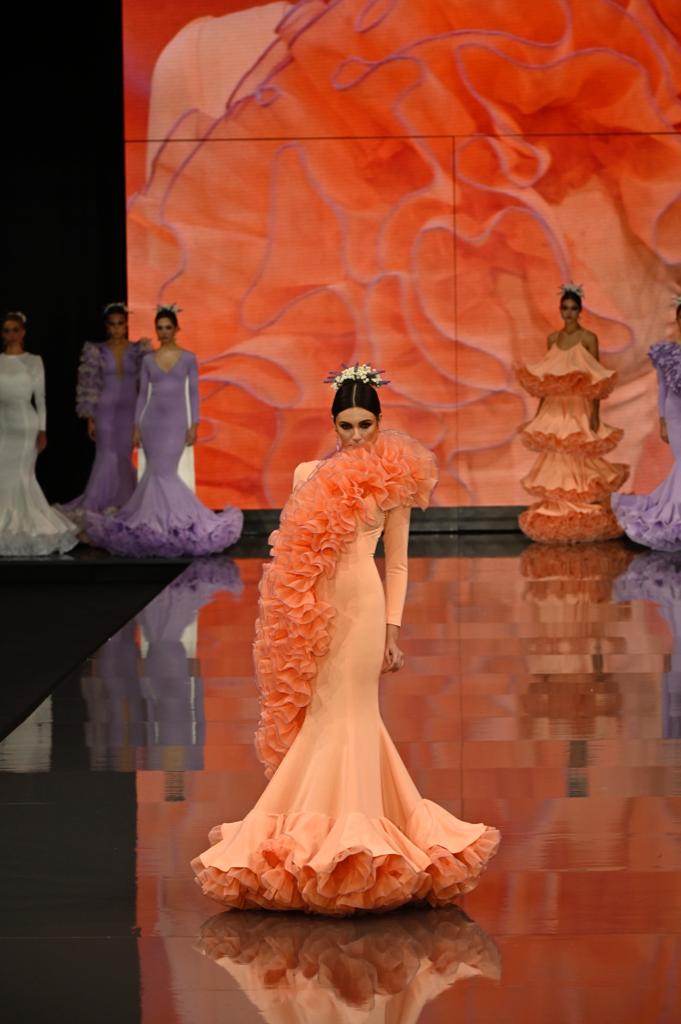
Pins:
x: 542, y: 694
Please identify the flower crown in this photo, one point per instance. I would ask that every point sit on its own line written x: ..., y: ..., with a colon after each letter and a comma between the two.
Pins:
x: 676, y: 301
x: 115, y: 305
x: 361, y: 372
x: 168, y: 307
x: 16, y: 314
x: 570, y: 288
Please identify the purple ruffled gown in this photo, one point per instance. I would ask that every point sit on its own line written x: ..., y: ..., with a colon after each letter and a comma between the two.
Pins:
x: 654, y: 519
x: 108, y: 394
x: 164, y: 518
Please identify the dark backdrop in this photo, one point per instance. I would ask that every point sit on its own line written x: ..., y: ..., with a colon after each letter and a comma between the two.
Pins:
x: 62, y: 201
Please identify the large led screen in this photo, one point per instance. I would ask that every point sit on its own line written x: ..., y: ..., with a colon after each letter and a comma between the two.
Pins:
x: 405, y: 183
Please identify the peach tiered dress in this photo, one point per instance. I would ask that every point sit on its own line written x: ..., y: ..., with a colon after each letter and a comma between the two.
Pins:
x: 341, y: 827
x: 570, y: 477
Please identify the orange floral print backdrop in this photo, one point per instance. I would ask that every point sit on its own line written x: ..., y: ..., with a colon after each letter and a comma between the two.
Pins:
x: 405, y: 183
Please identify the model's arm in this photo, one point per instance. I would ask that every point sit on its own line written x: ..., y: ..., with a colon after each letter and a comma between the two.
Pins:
x: 193, y: 380
x: 142, y: 398
x: 38, y: 373
x: 395, y: 544
x: 591, y: 345
x: 89, y: 385
x: 661, y: 399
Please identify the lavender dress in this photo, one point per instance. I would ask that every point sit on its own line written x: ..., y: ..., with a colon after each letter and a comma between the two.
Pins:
x: 655, y: 519
x: 108, y: 394
x: 164, y: 517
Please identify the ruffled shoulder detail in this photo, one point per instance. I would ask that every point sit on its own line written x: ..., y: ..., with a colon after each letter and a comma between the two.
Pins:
x: 318, y: 524
x: 90, y: 376
x: 666, y: 357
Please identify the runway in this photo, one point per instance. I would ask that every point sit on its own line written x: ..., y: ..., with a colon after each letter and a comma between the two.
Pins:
x: 541, y: 694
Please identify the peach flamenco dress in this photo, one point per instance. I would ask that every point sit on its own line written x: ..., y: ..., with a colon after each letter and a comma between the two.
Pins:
x: 570, y: 477
x: 341, y: 827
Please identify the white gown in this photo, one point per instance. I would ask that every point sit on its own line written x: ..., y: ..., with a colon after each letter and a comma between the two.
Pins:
x: 28, y: 526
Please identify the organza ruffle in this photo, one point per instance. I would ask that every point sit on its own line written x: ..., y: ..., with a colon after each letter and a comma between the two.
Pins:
x: 19, y: 544
x: 666, y: 357
x: 576, y: 382
x: 308, y: 861
x: 355, y: 960
x: 204, y: 535
x: 318, y: 523
x: 569, y: 524
x: 573, y: 444
x: 649, y: 521
x: 581, y: 480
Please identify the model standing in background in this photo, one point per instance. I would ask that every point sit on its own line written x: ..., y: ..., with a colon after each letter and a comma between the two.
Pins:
x: 28, y: 526
x: 341, y: 827
x: 108, y: 384
x: 164, y: 517
x: 655, y: 519
x: 570, y: 477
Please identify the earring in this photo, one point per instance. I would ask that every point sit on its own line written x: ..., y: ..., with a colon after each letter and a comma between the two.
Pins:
x: 338, y: 444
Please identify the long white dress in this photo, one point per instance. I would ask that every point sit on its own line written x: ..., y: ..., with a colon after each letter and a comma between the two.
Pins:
x: 28, y: 526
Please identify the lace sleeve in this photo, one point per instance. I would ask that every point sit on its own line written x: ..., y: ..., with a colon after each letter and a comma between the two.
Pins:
x: 90, y: 380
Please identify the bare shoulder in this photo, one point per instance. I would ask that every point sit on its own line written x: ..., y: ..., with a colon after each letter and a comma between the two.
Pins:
x: 590, y: 340
x: 552, y: 338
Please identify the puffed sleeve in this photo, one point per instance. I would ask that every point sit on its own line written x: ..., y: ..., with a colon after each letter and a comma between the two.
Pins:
x: 193, y: 376
x: 143, y: 393
x: 90, y: 380
x: 661, y: 391
x: 302, y: 471
x: 396, y: 544
x: 38, y: 373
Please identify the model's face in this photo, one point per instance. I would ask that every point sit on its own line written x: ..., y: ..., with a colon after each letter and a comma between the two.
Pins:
x: 355, y: 427
x: 13, y: 334
x: 117, y: 327
x: 569, y: 310
x: 166, y: 330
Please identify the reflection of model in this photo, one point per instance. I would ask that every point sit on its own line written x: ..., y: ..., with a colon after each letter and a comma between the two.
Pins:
x: 657, y: 577
x: 164, y: 517
x: 108, y: 379
x: 569, y: 477
x: 372, y: 968
x: 655, y: 519
x: 147, y: 711
x: 28, y: 526
x: 341, y: 827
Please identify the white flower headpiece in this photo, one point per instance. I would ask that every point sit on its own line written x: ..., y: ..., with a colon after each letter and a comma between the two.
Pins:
x: 168, y: 307
x: 574, y: 289
x: 676, y: 301
x: 115, y: 305
x: 362, y: 372
x: 16, y: 314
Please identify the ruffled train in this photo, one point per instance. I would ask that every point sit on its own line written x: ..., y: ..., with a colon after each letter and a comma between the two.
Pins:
x: 654, y: 519
x: 309, y: 861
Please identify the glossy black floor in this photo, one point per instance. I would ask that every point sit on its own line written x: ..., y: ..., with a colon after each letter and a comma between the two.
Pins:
x: 541, y: 694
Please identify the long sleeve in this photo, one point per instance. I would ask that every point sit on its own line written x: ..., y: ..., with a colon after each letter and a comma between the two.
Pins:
x: 90, y: 380
x: 38, y: 373
x: 661, y: 391
x: 396, y: 544
x: 143, y: 393
x: 193, y: 375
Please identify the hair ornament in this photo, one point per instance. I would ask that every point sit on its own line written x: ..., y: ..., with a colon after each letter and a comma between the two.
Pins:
x: 571, y: 288
x: 16, y: 314
x: 676, y: 301
x: 168, y: 307
x: 363, y: 373
x: 117, y: 306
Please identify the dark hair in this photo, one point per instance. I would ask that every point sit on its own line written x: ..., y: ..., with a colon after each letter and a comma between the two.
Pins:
x: 167, y: 314
x: 355, y: 394
x: 115, y: 309
x: 576, y: 298
x: 16, y: 318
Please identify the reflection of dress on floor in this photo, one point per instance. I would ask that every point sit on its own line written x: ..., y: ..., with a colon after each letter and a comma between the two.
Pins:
x: 341, y: 826
x: 570, y: 477
x: 28, y: 526
x: 655, y: 519
x: 108, y: 393
x: 164, y: 517
x: 657, y: 577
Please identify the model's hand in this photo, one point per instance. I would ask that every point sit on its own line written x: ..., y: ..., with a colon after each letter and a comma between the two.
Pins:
x: 393, y: 658
x: 136, y: 437
x: 91, y: 429
x: 663, y: 430
x: 41, y: 441
x: 191, y: 436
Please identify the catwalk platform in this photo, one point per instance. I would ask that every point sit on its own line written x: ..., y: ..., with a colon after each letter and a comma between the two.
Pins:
x: 542, y: 693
